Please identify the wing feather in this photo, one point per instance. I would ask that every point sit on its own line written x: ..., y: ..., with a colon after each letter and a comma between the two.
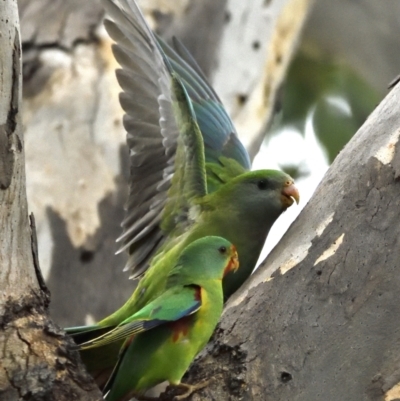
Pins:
x: 175, y: 122
x: 172, y: 305
x: 159, y: 119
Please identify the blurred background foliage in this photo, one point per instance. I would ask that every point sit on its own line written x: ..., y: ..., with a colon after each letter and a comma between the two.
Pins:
x: 335, y: 96
x: 348, y: 54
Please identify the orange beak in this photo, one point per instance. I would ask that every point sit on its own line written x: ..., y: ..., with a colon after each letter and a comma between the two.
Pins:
x: 233, y: 263
x: 290, y: 194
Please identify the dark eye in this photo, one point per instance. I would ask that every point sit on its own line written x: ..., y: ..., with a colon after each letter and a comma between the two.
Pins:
x: 222, y: 249
x: 262, y: 184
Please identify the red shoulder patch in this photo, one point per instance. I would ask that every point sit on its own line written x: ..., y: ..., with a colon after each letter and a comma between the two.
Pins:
x: 180, y: 327
x: 197, y: 293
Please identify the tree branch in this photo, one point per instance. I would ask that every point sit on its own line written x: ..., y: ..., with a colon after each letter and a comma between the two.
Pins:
x: 325, y: 325
x: 35, y: 363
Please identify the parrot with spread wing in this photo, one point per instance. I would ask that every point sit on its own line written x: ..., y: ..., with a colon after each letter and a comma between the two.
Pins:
x: 162, y: 339
x: 190, y: 173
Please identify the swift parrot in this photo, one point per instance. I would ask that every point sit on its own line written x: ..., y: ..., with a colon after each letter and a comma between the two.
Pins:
x: 190, y: 174
x: 162, y: 339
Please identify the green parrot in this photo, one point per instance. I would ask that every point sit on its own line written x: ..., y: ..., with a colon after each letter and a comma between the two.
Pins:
x: 190, y: 173
x: 163, y: 338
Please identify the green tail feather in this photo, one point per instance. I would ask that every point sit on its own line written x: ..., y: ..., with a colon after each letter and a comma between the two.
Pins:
x: 81, y: 334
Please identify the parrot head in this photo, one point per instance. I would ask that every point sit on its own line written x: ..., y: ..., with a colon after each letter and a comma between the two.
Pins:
x: 260, y: 195
x: 209, y: 257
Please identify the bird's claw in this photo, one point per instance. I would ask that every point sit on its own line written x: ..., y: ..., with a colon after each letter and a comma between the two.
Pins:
x: 190, y: 389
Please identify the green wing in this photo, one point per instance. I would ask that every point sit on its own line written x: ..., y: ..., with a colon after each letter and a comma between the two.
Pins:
x: 189, y: 180
x: 166, y: 147
x: 175, y: 121
x: 172, y: 305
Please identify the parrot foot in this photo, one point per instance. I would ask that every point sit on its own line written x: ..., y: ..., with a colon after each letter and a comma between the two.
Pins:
x: 190, y: 389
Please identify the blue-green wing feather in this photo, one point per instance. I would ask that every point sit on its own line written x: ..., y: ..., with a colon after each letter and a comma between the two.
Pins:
x: 172, y: 305
x: 219, y: 134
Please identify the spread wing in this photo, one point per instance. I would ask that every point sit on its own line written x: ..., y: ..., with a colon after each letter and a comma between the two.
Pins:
x: 175, y: 123
x: 162, y: 134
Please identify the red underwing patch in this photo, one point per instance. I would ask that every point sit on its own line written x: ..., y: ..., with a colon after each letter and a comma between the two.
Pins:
x: 197, y: 294
x: 180, y: 327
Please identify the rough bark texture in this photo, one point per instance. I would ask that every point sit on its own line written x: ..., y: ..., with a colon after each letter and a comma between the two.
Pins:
x: 77, y: 169
x: 258, y: 41
x: 74, y: 141
x: 326, y: 324
x: 34, y: 361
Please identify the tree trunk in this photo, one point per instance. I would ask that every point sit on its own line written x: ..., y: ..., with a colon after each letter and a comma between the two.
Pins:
x: 35, y: 363
x: 320, y: 319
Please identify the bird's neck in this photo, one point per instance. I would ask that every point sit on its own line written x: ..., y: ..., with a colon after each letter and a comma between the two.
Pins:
x: 247, y: 233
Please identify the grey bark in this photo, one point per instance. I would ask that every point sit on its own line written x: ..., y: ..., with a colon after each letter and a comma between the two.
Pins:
x: 76, y: 160
x: 325, y: 325
x: 35, y: 363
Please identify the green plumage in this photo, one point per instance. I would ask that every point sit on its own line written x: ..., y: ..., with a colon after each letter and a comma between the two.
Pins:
x: 162, y: 339
x: 190, y: 173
